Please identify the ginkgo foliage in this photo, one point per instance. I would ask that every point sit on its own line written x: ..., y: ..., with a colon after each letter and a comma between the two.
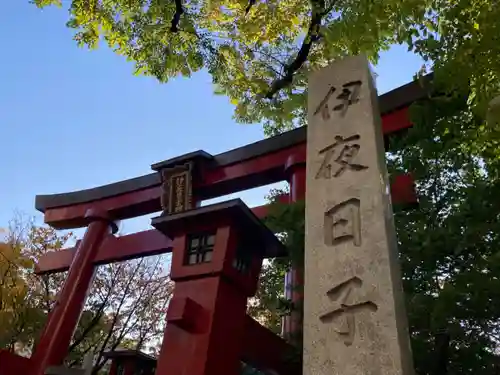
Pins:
x: 12, y: 284
x: 260, y: 52
x: 15, y: 294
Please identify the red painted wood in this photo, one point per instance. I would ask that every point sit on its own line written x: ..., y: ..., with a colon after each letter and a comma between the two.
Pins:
x: 72, y: 217
x: 57, y: 261
x: 265, y: 350
x: 260, y: 171
x: 113, y: 249
x: 205, y: 336
x: 216, y: 348
x: 12, y: 364
x: 113, y: 370
x: 222, y: 331
x: 396, y: 121
x: 185, y: 313
x: 403, y: 190
x: 129, y: 367
x: 227, y: 231
x: 121, y: 207
x: 293, y: 323
x: 150, y: 242
x: 117, y: 249
x: 215, y: 182
x: 56, y: 337
x: 262, y: 348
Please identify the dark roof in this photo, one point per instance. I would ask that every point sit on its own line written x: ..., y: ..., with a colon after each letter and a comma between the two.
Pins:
x: 258, y: 235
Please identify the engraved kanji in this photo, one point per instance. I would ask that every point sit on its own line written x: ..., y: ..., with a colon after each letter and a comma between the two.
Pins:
x: 342, y: 222
x: 344, y: 313
x: 179, y: 194
x: 323, y: 107
x: 176, y: 189
x: 348, y: 97
x: 344, y: 160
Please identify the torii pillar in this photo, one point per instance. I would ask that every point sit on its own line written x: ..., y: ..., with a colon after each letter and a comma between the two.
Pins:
x: 54, y: 343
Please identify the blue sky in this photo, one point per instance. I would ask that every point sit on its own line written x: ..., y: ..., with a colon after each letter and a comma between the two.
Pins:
x: 72, y: 119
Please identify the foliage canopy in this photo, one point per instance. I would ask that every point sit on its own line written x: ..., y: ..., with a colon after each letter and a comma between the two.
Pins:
x: 259, y: 52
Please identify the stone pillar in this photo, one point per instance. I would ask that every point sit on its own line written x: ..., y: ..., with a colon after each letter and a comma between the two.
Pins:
x: 354, y: 316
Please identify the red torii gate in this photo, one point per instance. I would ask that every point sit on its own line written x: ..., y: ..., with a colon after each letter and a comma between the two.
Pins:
x: 271, y: 160
x: 258, y: 164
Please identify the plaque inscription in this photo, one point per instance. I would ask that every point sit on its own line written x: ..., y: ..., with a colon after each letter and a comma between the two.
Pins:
x: 176, y: 189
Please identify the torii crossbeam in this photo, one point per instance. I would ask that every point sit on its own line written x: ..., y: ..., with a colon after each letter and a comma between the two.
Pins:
x: 254, y: 165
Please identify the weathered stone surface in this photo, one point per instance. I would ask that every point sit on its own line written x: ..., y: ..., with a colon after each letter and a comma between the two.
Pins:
x: 354, y: 317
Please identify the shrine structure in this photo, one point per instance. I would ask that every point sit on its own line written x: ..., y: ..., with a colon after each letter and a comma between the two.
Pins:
x: 217, y: 252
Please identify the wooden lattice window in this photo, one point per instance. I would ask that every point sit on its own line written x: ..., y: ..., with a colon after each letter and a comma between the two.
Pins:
x: 200, y: 248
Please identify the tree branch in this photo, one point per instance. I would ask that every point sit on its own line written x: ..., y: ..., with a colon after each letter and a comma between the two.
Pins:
x: 179, y: 10
x: 141, y: 295
x: 46, y: 288
x: 100, y: 361
x: 318, y: 12
x: 99, y: 314
x: 249, y: 6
